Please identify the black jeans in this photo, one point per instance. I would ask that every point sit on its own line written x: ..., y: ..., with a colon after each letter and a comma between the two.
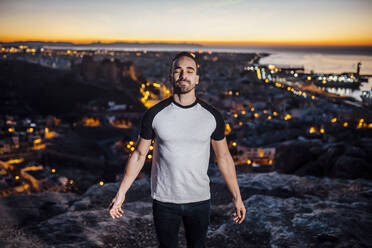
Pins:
x: 167, y: 219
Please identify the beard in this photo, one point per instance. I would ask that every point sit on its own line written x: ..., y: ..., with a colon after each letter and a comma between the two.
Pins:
x: 182, y: 88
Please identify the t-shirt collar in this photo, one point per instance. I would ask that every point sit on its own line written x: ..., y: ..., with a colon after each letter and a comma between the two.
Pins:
x: 185, y: 106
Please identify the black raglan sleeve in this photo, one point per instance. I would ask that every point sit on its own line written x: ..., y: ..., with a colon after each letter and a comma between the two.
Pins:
x: 219, y: 132
x: 146, y: 131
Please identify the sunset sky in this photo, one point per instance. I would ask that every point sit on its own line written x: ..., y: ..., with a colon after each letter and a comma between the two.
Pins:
x: 319, y: 22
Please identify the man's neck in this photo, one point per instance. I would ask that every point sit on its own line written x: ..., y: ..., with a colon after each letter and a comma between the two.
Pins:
x: 184, y: 99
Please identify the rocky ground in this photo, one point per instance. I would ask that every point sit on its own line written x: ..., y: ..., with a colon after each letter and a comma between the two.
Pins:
x: 282, y: 211
x: 314, y: 157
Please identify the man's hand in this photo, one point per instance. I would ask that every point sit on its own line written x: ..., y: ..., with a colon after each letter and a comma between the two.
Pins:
x: 239, y: 214
x: 115, y: 206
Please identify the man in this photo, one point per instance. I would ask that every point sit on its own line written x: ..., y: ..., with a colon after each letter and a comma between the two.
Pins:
x: 183, y: 127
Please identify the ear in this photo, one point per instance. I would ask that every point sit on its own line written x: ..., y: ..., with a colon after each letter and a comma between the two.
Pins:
x: 197, y: 79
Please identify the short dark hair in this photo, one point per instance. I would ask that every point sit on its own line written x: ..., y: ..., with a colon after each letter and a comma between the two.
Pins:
x: 186, y: 54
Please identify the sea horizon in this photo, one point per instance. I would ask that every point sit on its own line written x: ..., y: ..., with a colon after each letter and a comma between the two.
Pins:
x: 314, y: 59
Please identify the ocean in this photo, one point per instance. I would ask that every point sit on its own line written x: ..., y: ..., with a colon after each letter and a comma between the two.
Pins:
x: 327, y: 63
x: 316, y: 59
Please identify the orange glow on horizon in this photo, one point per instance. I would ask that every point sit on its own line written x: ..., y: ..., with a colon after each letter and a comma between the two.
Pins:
x: 234, y: 23
x: 359, y: 42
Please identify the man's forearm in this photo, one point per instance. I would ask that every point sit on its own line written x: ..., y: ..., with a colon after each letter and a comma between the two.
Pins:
x: 227, y: 169
x: 133, y: 168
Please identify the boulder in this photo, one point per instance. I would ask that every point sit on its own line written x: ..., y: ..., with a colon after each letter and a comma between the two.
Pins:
x: 351, y: 167
x: 293, y: 154
x: 27, y: 209
x: 293, y: 222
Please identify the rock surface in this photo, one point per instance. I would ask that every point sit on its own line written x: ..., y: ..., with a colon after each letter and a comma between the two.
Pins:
x: 282, y: 211
x: 315, y: 158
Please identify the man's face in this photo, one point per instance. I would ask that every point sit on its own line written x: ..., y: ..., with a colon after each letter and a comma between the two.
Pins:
x: 183, y: 75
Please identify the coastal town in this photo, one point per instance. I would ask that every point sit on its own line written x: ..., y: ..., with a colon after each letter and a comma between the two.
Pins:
x: 70, y: 119
x: 288, y: 83
x: 263, y: 106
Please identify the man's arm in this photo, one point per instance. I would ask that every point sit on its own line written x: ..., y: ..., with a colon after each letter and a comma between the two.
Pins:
x: 133, y: 168
x: 226, y: 166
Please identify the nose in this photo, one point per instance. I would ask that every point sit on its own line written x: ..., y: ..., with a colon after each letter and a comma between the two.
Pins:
x: 182, y: 75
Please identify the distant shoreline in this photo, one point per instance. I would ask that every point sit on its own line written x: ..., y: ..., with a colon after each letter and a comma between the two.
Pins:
x: 164, y: 46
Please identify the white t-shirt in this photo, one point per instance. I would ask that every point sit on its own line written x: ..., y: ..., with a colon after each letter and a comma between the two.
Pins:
x: 181, y: 148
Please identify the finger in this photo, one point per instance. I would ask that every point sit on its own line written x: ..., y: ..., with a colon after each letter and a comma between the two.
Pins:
x: 120, y: 211
x: 118, y: 214
x: 244, y: 214
x: 239, y: 213
x: 115, y: 213
x: 242, y: 218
